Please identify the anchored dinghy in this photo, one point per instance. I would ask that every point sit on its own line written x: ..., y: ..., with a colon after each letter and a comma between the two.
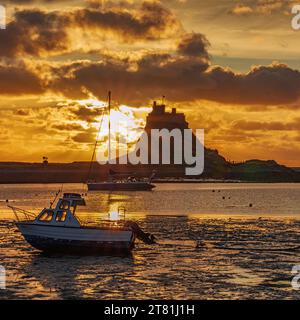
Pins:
x: 59, y: 230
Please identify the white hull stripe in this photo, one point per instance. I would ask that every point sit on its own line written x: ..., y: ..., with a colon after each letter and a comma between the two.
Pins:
x: 76, y: 234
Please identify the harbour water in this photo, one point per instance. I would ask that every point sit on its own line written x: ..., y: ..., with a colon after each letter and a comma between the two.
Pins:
x: 215, y: 241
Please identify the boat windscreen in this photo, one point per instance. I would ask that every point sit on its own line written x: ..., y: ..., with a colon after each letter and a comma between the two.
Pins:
x: 78, y: 202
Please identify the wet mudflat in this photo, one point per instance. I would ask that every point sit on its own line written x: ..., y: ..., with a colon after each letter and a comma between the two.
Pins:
x: 198, y: 256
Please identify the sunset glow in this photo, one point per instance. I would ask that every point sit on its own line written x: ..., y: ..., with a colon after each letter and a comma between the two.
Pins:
x: 230, y: 67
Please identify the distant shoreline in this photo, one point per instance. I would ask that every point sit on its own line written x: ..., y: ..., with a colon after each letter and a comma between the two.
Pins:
x: 254, y: 171
x: 168, y: 182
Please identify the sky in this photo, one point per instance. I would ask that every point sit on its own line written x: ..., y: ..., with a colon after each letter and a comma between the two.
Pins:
x: 231, y: 66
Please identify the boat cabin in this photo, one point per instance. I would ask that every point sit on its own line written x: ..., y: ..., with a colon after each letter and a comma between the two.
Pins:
x: 64, y: 212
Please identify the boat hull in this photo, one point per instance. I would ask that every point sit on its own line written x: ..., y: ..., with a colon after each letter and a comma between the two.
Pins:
x: 106, y: 186
x: 77, y: 240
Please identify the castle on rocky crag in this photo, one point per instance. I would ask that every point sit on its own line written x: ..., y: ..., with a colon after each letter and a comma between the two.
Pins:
x: 160, y: 118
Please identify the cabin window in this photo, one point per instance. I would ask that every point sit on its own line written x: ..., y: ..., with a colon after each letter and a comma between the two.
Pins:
x: 65, y: 205
x: 61, y: 216
x: 46, y: 216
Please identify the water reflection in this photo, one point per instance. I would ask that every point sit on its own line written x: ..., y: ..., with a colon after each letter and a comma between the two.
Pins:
x: 77, y: 277
x: 234, y: 261
x: 169, y: 199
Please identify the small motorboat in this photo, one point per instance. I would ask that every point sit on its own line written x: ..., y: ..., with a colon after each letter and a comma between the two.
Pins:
x: 59, y: 230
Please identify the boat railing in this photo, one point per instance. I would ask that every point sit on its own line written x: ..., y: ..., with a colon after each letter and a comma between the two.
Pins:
x: 27, y: 215
x: 122, y: 212
x: 103, y: 223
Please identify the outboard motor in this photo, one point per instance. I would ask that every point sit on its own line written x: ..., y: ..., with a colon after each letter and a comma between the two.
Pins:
x: 147, y: 238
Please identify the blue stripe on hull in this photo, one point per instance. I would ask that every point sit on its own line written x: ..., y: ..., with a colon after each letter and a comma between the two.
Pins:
x: 77, y: 246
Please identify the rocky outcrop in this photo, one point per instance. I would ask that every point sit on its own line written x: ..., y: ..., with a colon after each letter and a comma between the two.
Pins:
x: 261, y: 171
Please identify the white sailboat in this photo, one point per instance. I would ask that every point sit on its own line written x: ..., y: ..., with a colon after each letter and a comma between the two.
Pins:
x: 118, y: 182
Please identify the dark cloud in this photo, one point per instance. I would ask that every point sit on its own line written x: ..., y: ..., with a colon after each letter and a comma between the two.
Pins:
x: 273, y: 84
x: 36, y: 32
x: 185, y: 75
x: 150, y: 22
x: 21, y: 112
x: 180, y: 78
x: 195, y: 45
x: 86, y: 113
x: 19, y: 80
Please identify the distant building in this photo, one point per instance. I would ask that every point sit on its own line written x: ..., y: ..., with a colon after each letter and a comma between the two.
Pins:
x: 45, y: 161
x: 159, y: 118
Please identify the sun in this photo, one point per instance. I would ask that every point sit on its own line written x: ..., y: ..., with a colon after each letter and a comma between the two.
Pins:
x: 126, y: 123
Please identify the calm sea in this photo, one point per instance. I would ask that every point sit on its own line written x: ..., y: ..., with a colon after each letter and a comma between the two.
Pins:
x: 248, y: 236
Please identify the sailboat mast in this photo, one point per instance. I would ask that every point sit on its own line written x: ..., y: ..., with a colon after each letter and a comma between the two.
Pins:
x: 109, y: 126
